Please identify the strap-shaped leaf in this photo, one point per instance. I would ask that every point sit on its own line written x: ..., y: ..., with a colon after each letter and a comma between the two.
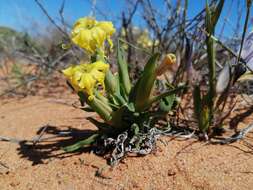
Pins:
x: 143, y: 88
x: 163, y: 95
x: 84, y: 143
x: 208, y: 19
x: 117, y: 117
x: 110, y: 83
x: 103, y: 109
x: 123, y: 70
x: 167, y: 103
x: 211, y: 57
x: 205, y: 119
x: 217, y: 12
x: 197, y: 105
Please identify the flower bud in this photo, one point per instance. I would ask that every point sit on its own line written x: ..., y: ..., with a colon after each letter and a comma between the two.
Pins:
x: 167, y: 64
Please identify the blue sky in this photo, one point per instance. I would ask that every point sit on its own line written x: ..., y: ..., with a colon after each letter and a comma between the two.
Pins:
x: 25, y: 15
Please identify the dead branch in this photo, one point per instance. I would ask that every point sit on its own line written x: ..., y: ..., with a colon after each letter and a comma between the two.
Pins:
x: 50, y: 18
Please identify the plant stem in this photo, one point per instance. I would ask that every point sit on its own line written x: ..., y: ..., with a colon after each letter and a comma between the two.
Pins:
x: 211, y: 60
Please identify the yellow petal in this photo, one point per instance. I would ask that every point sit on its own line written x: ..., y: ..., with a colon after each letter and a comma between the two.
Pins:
x: 90, y: 34
x: 99, y: 65
x: 107, y: 27
x: 87, y: 83
x: 84, y: 39
x: 68, y: 72
x: 84, y: 23
x: 77, y: 76
x: 86, y: 77
x: 98, y: 71
x: 98, y: 37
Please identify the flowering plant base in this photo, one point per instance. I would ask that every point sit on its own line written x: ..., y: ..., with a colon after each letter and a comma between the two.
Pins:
x: 127, y: 109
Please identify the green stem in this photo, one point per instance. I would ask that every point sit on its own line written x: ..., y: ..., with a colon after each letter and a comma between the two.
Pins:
x: 210, y: 27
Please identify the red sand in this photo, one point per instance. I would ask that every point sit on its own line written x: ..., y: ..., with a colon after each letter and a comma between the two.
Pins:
x: 178, y: 165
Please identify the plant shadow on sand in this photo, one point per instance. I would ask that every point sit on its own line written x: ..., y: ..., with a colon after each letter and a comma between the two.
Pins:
x: 240, y: 117
x: 51, y: 143
x: 50, y: 140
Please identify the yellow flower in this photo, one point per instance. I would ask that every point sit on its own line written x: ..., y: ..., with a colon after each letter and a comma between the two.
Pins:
x: 107, y: 27
x: 87, y: 77
x: 167, y: 64
x: 90, y: 34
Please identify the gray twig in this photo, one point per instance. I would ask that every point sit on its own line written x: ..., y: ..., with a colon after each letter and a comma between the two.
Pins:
x: 39, y: 137
x: 50, y: 18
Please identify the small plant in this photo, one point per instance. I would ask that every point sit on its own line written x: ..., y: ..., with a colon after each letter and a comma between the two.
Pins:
x: 209, y: 106
x: 126, y: 108
x: 204, y: 104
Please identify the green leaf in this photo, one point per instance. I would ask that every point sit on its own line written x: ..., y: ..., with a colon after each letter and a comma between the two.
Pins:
x: 212, y: 17
x: 101, y: 97
x: 133, y: 92
x: 115, y: 97
x: 201, y: 109
x: 143, y: 88
x: 119, y: 99
x: 118, y: 116
x: 84, y: 143
x: 167, y: 103
x: 208, y: 19
x: 210, y: 97
x: 205, y: 119
x: 217, y: 12
x: 110, y: 83
x: 117, y: 88
x: 123, y: 70
x: 104, y: 110
x: 197, y: 104
x: 123, y: 117
x: 163, y: 95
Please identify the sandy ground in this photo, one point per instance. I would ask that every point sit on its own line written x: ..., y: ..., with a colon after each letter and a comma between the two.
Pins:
x: 174, y: 165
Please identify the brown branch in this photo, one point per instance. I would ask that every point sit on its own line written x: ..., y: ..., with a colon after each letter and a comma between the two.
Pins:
x: 50, y: 18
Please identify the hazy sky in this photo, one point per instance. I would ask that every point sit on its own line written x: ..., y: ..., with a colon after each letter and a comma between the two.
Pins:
x: 25, y: 15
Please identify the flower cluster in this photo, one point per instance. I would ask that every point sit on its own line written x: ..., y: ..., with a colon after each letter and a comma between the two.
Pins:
x: 85, y: 77
x: 91, y: 35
